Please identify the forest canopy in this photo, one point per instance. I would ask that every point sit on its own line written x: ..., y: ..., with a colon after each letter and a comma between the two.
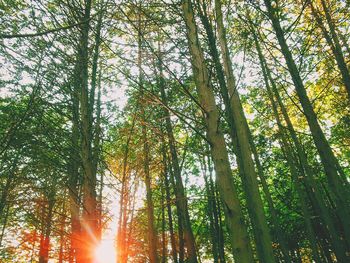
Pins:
x: 175, y: 131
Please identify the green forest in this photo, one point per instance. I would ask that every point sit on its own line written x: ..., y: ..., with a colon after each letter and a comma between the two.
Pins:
x: 184, y: 131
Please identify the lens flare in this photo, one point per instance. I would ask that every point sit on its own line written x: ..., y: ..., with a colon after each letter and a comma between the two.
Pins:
x: 105, y: 252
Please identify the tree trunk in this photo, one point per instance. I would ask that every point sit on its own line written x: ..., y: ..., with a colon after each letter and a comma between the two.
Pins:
x: 89, y: 220
x: 336, y: 180
x: 210, y: 195
x: 240, y: 136
x: 45, y: 235
x: 74, y: 178
x: 217, y: 214
x: 306, y: 174
x: 240, y: 242
x: 168, y: 204
x: 180, y: 193
x: 123, y: 202
x: 152, y: 234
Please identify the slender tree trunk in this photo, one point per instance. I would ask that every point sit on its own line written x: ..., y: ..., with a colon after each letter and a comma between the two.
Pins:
x: 168, y: 204
x: 123, y: 202
x: 61, y: 231
x: 89, y: 220
x: 45, y: 235
x: 288, y: 153
x: 217, y: 215
x: 74, y: 177
x: 336, y: 180
x: 179, y: 187
x: 270, y: 203
x: 4, y: 223
x: 240, y: 242
x: 240, y: 135
x: 164, y: 240
x: 131, y: 208
x: 180, y: 231
x: 306, y: 173
x: 210, y: 210
x: 152, y: 234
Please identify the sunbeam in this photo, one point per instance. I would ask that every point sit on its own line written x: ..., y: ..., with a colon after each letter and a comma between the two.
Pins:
x: 105, y: 252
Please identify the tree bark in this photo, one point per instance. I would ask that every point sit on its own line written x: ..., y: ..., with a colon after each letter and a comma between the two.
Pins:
x: 240, y: 242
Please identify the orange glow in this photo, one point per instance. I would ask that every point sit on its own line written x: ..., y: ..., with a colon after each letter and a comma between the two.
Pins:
x: 105, y: 252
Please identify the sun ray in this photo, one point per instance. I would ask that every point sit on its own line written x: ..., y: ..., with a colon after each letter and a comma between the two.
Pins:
x: 105, y: 252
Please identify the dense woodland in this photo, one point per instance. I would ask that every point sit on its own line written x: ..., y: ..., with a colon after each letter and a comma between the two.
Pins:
x: 199, y: 130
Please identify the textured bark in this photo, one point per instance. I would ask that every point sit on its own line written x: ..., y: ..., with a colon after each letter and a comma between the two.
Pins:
x: 241, y: 247
x: 240, y: 136
x: 89, y: 214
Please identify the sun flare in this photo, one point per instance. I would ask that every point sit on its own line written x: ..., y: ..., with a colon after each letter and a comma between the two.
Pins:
x: 105, y: 252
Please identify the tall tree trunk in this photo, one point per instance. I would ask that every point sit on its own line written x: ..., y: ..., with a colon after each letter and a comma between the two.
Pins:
x: 164, y: 240
x: 89, y: 221
x: 61, y: 231
x: 96, y: 128
x: 123, y: 201
x: 168, y: 204
x: 4, y: 223
x: 270, y: 203
x: 45, y: 235
x: 74, y: 178
x: 131, y: 208
x: 240, y: 135
x: 180, y: 193
x: 152, y: 234
x: 306, y: 173
x: 240, y: 242
x: 217, y: 214
x: 336, y: 180
x: 288, y: 153
x: 210, y: 195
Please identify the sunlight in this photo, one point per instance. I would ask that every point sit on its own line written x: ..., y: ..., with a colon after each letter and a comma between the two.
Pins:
x: 105, y: 252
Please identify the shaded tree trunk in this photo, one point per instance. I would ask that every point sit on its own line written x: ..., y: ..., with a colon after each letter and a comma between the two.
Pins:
x: 152, y: 234
x: 180, y: 193
x: 336, y: 180
x: 168, y: 201
x: 45, y: 235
